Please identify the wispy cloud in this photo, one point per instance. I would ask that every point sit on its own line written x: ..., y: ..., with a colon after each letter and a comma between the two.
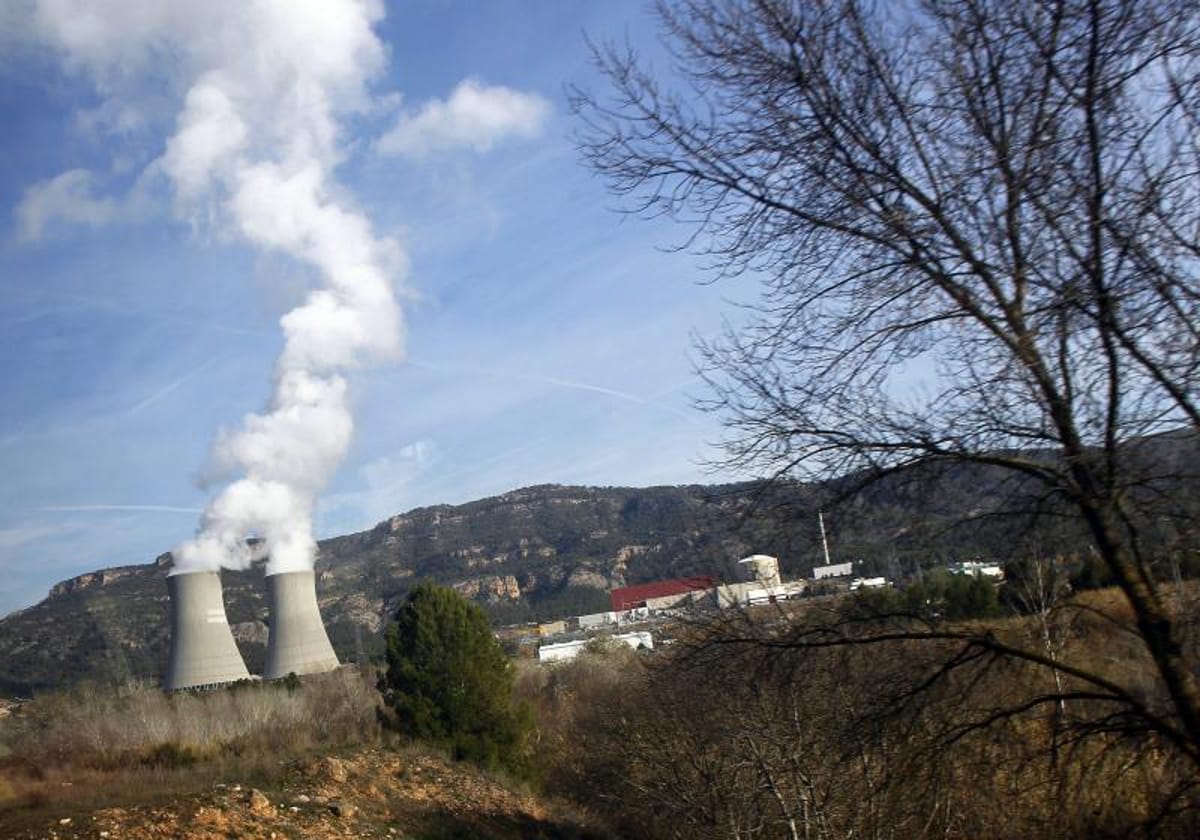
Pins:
x: 24, y: 534
x: 119, y: 508
x: 75, y: 198
x: 558, y: 383
x: 50, y: 303
x: 167, y: 389
x: 475, y: 117
x: 69, y: 197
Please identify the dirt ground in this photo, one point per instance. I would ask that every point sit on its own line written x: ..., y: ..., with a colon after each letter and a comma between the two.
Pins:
x: 374, y: 793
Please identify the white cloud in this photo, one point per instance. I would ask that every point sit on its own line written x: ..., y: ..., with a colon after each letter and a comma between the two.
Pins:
x: 77, y: 197
x: 70, y: 197
x: 390, y: 471
x: 385, y: 486
x: 474, y: 117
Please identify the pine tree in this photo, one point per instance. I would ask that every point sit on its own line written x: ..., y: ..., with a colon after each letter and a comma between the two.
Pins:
x: 449, y: 683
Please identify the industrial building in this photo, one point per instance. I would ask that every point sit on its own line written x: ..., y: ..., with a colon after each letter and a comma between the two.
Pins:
x: 662, y: 594
x: 595, y: 621
x: 761, y: 568
x: 978, y: 569
x: 833, y: 570
x: 551, y: 628
x: 760, y: 583
x: 564, y: 651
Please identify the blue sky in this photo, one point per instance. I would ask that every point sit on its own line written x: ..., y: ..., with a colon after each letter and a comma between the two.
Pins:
x: 546, y: 340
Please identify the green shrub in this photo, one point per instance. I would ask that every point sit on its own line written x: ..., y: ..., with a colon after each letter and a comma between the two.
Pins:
x: 954, y: 597
x: 449, y: 683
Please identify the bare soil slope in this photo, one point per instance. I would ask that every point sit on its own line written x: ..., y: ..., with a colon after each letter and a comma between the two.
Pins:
x: 373, y: 793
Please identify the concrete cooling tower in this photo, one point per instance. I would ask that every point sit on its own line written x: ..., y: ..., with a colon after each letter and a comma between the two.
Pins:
x: 203, y: 652
x: 298, y: 643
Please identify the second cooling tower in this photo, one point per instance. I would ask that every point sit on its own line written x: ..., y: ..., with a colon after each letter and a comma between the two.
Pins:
x: 298, y: 643
x: 203, y: 652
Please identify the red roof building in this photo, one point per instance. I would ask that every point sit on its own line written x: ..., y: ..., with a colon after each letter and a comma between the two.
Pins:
x: 628, y: 597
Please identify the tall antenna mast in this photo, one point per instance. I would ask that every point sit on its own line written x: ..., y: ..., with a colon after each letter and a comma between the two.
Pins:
x: 824, y: 542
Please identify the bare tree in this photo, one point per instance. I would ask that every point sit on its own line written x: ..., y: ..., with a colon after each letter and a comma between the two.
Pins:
x: 977, y: 226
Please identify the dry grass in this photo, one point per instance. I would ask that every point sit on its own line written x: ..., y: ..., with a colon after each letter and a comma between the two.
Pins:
x: 88, y: 747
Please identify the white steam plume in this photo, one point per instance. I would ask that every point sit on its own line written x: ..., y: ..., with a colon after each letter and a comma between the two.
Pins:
x: 264, y: 83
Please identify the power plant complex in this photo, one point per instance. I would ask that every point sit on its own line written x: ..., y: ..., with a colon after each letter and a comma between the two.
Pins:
x: 203, y: 652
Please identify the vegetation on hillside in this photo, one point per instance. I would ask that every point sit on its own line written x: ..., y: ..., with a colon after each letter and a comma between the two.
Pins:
x: 737, y: 733
x: 299, y: 758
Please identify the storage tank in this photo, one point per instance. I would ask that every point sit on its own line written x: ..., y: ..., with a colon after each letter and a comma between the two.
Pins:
x: 297, y: 642
x: 203, y: 652
x: 761, y: 568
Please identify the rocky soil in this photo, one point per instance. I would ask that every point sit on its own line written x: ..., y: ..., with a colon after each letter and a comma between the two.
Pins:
x: 375, y: 793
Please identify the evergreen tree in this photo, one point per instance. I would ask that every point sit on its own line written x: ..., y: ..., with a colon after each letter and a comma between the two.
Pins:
x: 449, y: 682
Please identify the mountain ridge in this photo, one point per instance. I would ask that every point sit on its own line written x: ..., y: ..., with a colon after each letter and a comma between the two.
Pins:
x: 552, y: 550
x: 534, y: 551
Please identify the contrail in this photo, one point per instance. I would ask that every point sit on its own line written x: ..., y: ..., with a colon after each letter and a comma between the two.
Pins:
x: 167, y: 389
x: 133, y: 310
x: 101, y: 508
x: 551, y: 380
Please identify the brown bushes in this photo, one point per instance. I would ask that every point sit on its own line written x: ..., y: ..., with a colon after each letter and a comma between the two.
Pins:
x: 747, y: 740
x: 91, y: 747
x: 139, y: 724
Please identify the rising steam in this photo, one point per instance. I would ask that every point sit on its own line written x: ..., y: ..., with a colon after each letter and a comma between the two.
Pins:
x: 253, y: 153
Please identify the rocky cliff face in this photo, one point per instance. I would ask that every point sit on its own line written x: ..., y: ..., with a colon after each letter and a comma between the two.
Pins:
x: 104, y: 577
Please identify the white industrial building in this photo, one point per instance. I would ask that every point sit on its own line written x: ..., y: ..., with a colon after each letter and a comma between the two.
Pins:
x: 761, y: 568
x: 833, y: 570
x: 753, y: 594
x: 564, y: 651
x: 594, y: 621
x: 977, y: 568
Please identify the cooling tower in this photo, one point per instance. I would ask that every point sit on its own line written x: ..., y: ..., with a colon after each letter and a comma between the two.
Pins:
x: 203, y: 652
x: 298, y: 643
